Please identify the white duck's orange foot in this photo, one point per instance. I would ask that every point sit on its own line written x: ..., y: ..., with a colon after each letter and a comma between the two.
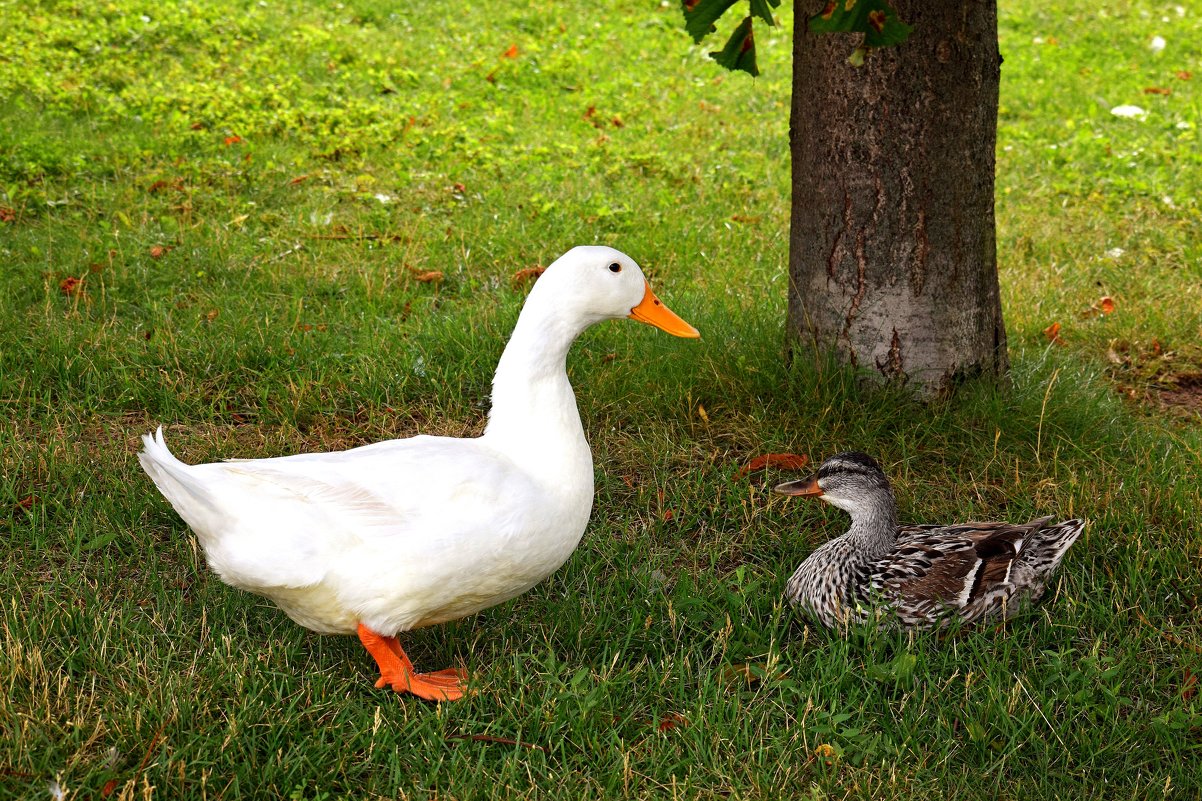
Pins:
x: 396, y: 670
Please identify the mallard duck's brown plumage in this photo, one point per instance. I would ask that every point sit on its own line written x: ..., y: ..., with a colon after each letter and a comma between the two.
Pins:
x: 917, y: 576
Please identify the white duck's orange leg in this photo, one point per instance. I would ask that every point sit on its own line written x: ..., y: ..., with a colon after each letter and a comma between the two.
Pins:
x: 396, y: 670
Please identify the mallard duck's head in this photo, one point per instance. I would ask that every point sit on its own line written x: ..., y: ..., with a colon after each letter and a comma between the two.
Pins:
x: 595, y: 283
x: 852, y: 481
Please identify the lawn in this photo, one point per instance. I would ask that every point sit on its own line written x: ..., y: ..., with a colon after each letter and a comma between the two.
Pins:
x: 273, y: 227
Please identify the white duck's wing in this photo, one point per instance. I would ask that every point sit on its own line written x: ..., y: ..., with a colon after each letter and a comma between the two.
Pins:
x: 284, y: 522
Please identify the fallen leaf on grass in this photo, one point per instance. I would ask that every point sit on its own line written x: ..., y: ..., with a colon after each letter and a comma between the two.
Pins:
x: 703, y: 414
x: 487, y: 738
x: 159, y: 251
x: 70, y: 285
x: 1104, y: 305
x: 427, y: 277
x: 1185, y: 75
x: 108, y: 788
x: 27, y: 502
x: 7, y: 214
x: 212, y: 315
x: 232, y: 140
x: 298, y: 179
x: 1052, y: 334
x: 746, y: 674
x: 525, y: 274
x: 1189, y: 687
x: 1157, y: 90
x: 511, y: 52
x: 672, y: 720
x: 746, y: 218
x: 785, y: 461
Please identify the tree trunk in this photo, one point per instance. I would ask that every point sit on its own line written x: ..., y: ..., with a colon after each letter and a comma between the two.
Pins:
x: 893, y: 257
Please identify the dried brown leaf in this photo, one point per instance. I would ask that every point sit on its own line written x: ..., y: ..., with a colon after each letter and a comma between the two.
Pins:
x: 1189, y: 687
x: 784, y: 461
x: 526, y: 274
x: 1052, y: 334
x: 673, y: 720
x: 427, y: 277
x: 70, y: 285
x: 746, y: 674
x: 488, y: 738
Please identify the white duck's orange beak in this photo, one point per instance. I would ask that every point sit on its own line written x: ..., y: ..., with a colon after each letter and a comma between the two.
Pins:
x: 652, y: 311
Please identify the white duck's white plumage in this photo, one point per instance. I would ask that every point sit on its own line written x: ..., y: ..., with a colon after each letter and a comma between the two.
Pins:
x: 412, y: 532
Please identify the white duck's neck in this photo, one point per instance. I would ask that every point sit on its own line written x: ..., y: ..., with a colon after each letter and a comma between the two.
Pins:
x: 534, y: 419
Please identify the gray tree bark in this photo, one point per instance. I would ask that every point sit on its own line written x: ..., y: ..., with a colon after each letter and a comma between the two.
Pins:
x: 892, y: 249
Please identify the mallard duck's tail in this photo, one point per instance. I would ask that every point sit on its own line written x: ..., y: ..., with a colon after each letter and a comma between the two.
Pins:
x: 1041, y: 555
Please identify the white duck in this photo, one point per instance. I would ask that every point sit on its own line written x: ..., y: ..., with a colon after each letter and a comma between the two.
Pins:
x: 406, y: 533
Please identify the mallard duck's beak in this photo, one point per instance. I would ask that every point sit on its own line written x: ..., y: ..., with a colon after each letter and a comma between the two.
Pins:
x: 806, y: 487
x: 652, y: 311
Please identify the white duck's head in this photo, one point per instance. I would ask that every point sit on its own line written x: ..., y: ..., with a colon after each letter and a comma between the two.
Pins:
x: 592, y: 283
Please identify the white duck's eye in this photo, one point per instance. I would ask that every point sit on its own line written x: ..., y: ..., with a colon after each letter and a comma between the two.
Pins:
x: 615, y: 267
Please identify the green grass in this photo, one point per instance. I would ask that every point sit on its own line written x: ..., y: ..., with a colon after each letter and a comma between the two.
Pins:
x: 252, y: 313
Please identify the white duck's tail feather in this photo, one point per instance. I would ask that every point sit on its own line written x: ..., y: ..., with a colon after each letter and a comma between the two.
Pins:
x: 172, y: 477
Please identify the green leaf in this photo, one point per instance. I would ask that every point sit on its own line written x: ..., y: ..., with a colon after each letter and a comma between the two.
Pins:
x: 876, y: 19
x: 739, y: 53
x: 100, y: 541
x: 700, y: 16
x: 763, y: 10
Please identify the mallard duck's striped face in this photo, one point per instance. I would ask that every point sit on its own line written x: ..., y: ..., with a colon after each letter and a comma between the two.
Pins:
x: 852, y: 481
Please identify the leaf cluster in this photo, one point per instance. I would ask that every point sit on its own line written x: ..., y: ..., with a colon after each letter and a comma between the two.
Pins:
x: 876, y: 20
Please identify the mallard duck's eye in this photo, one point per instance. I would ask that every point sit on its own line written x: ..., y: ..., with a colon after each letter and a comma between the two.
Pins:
x: 615, y: 268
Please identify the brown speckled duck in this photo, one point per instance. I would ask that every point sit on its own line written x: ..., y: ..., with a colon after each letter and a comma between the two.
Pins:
x: 917, y: 576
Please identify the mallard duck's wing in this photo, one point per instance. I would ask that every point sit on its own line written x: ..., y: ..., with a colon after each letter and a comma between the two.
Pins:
x: 937, y: 571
